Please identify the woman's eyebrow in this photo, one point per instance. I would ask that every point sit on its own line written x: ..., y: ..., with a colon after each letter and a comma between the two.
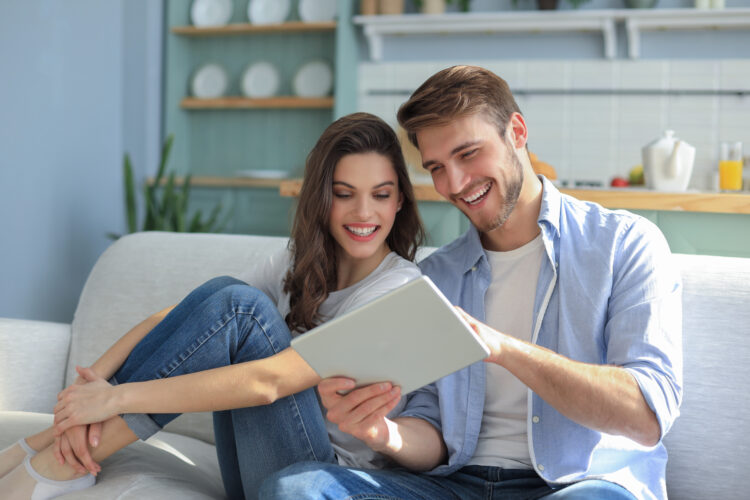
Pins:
x: 386, y: 183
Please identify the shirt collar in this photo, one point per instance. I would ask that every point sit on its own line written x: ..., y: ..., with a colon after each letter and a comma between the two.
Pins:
x: 549, y: 212
x: 548, y: 220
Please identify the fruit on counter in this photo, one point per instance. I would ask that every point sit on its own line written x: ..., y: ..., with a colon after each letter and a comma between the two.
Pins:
x: 619, y: 182
x: 635, y: 176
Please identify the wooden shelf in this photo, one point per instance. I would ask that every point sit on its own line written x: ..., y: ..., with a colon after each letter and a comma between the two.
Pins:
x: 252, y: 29
x: 291, y: 102
x: 605, y: 21
x: 226, y: 182
x: 627, y: 198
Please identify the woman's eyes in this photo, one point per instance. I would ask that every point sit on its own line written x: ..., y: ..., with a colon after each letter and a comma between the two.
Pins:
x: 377, y: 195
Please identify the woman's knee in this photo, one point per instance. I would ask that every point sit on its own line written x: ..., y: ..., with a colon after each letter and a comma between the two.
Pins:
x: 303, y: 481
x: 220, y: 282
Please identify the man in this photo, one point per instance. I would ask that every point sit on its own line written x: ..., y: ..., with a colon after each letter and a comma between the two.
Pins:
x: 579, y: 305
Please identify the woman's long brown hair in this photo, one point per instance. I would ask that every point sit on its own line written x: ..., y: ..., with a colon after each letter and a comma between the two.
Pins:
x: 312, y: 274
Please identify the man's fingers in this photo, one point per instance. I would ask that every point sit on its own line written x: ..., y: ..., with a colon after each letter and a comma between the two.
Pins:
x: 358, y: 396
x: 376, y: 405
x: 332, y: 386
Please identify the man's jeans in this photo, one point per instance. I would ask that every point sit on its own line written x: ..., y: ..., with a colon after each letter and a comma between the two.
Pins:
x: 314, y: 481
x: 225, y: 322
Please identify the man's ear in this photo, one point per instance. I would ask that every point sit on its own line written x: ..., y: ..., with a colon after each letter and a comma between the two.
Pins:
x: 517, y: 131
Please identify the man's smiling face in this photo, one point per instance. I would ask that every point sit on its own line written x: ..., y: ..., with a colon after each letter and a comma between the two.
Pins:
x: 473, y: 167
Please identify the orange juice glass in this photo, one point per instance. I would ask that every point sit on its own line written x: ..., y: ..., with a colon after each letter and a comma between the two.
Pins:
x: 730, y: 166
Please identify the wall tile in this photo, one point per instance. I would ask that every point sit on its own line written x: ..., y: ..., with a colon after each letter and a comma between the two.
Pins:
x: 594, y: 137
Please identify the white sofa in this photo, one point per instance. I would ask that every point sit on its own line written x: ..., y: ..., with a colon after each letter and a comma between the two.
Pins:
x: 143, y: 272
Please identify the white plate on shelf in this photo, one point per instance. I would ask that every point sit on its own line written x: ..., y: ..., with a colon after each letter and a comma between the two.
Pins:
x: 264, y: 174
x: 312, y: 11
x: 268, y: 11
x: 313, y: 79
x: 204, y: 13
x: 209, y: 81
x: 260, y: 79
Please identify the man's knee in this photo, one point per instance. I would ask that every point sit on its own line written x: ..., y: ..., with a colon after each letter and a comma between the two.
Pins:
x: 303, y: 481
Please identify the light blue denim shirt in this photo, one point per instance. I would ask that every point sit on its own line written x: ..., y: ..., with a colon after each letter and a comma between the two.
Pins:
x: 607, y: 294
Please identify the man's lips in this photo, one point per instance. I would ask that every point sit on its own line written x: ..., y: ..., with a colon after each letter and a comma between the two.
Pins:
x: 476, y: 194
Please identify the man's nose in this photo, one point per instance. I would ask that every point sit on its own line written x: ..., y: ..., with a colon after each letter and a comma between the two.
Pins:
x: 456, y: 177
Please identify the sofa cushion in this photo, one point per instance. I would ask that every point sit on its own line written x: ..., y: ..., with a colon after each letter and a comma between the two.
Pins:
x: 166, y: 466
x: 32, y: 363
x: 145, y: 272
x: 707, y: 445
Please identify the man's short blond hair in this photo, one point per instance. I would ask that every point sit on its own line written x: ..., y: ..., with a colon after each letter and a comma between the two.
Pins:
x: 456, y: 92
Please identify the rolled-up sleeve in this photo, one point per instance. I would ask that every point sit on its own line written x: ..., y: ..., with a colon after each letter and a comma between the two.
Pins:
x: 644, y: 331
x: 423, y: 403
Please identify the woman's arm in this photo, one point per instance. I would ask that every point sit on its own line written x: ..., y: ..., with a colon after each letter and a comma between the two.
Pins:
x: 252, y: 383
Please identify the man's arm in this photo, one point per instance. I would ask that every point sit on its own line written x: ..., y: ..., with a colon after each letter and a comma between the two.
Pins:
x: 602, y: 397
x: 240, y: 385
x: 411, y: 442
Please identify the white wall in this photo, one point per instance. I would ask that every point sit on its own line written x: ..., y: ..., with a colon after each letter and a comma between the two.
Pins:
x: 73, y: 94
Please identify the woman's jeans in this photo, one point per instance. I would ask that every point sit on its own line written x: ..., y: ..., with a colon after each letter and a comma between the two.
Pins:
x: 223, y: 322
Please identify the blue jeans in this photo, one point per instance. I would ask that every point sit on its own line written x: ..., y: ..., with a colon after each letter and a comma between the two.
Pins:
x: 315, y: 481
x: 222, y: 322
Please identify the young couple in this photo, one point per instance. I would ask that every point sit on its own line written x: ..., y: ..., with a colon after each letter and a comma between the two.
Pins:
x: 579, y: 306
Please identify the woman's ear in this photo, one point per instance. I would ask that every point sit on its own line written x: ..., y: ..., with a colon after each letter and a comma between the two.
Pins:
x: 400, y: 202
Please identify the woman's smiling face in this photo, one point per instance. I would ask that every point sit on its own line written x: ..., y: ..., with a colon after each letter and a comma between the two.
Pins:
x: 365, y: 200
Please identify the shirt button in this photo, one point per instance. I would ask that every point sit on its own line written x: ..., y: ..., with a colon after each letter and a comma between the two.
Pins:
x: 535, y: 419
x: 474, y: 268
x: 540, y: 466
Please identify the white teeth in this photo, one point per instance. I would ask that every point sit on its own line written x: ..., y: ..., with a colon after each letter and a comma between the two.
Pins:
x: 478, y: 194
x: 362, y: 231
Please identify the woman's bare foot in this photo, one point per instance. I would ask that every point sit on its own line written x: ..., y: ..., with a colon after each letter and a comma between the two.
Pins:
x: 25, y: 481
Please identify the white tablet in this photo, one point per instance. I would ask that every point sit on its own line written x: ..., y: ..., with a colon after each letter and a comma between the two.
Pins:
x: 410, y: 336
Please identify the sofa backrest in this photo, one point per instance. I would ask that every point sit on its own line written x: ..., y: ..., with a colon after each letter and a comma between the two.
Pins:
x: 708, y: 443
x: 143, y: 273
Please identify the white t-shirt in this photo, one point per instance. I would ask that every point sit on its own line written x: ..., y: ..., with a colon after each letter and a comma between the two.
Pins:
x: 392, y: 272
x: 509, y: 306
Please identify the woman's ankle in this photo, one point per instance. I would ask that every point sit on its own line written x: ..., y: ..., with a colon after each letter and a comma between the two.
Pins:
x: 47, y: 466
x: 41, y: 440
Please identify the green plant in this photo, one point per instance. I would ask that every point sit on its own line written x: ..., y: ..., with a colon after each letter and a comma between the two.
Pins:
x: 166, y: 204
x: 577, y: 3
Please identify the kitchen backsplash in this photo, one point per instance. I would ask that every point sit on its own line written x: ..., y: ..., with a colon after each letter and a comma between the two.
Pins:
x: 589, y: 119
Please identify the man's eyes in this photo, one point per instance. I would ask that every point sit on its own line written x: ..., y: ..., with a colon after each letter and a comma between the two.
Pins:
x: 469, y: 154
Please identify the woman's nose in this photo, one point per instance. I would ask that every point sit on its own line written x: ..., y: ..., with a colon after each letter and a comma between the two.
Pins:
x: 363, y: 207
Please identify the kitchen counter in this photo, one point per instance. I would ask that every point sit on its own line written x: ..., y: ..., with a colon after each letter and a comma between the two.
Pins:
x: 627, y: 198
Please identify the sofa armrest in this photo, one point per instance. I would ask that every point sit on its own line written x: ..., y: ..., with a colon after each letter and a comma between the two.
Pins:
x: 33, y: 356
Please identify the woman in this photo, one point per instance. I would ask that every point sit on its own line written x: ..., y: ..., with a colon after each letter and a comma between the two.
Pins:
x: 225, y: 347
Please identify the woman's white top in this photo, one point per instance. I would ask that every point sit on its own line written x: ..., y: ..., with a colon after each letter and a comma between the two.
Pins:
x: 393, y: 272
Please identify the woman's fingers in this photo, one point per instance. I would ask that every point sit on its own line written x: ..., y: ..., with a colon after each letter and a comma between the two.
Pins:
x: 95, y: 434
x: 57, y: 451
x: 70, y: 457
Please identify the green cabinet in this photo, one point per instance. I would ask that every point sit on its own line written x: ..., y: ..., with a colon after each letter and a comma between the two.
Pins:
x: 227, y: 138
